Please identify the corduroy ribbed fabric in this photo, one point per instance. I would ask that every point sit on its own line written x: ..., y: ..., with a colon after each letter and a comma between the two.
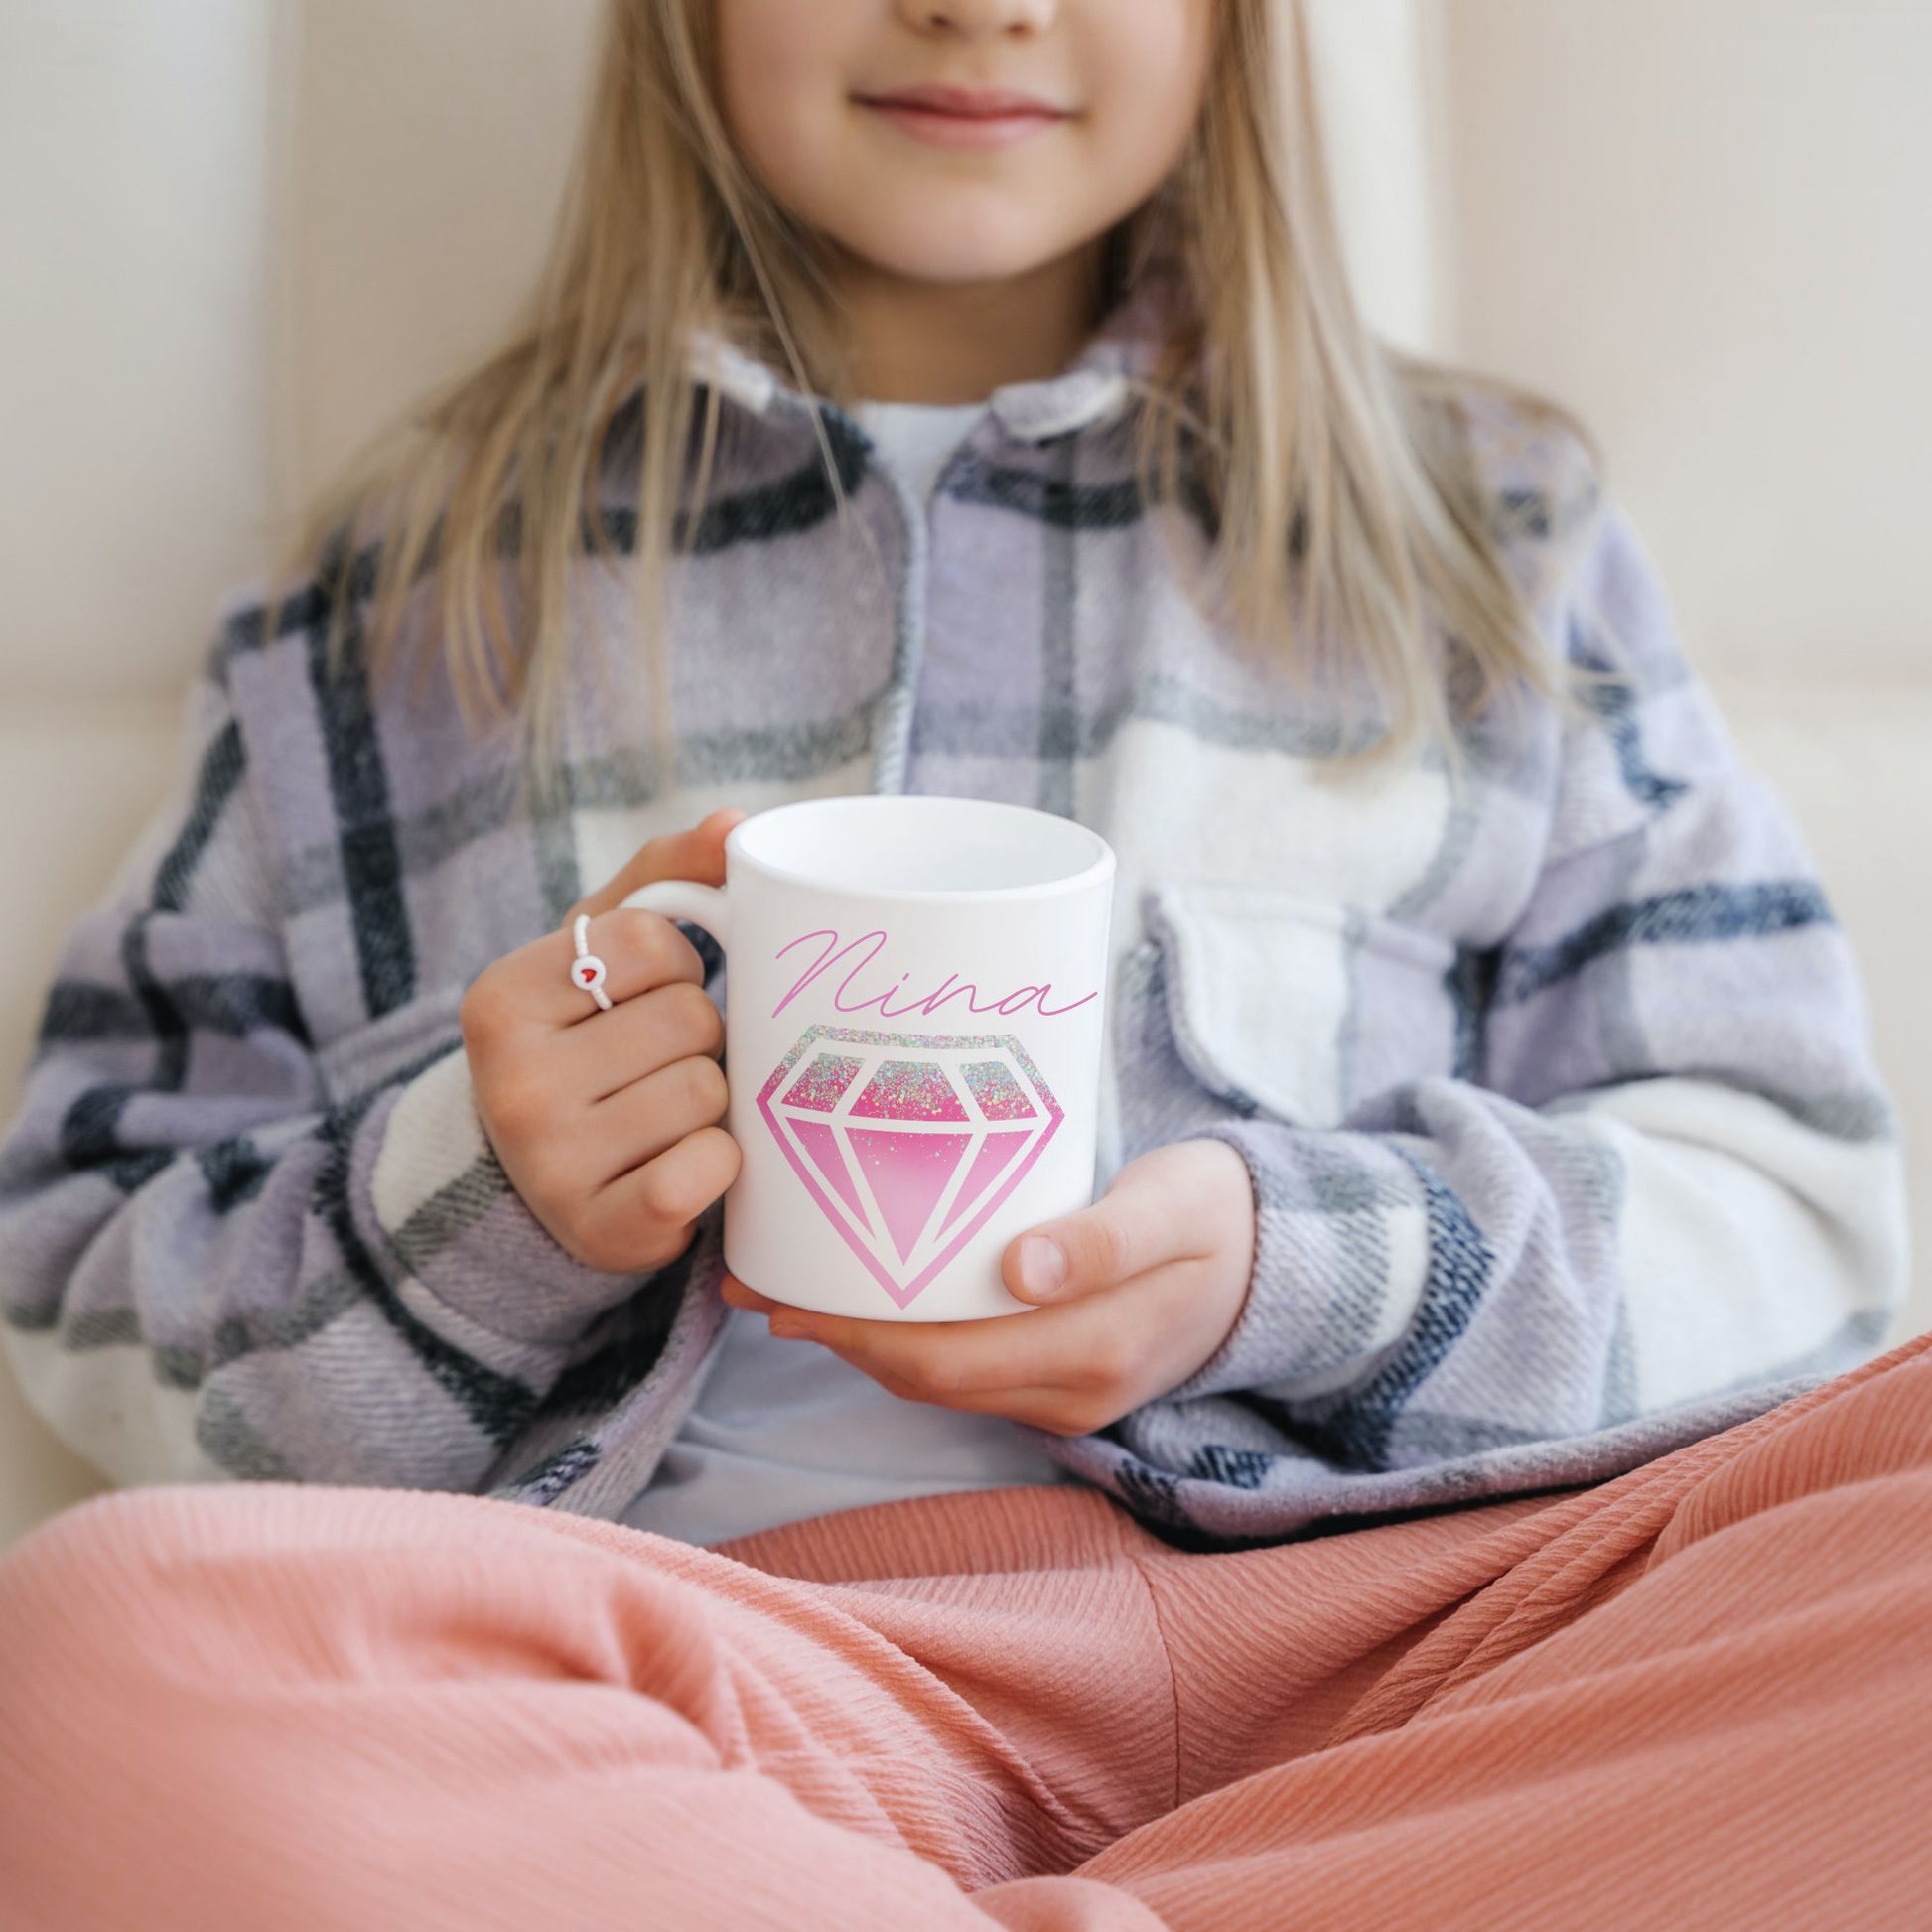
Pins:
x: 1699, y: 1696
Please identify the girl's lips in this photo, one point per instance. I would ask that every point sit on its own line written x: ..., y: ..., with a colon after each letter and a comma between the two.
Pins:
x: 957, y: 118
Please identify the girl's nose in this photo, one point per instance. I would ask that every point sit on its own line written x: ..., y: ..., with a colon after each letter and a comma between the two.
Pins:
x: 974, y: 18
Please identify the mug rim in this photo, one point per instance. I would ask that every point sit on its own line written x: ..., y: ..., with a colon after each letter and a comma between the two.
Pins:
x: 1100, y: 867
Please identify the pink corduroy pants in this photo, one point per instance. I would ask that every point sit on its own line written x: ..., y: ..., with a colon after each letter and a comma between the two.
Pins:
x: 1700, y: 1695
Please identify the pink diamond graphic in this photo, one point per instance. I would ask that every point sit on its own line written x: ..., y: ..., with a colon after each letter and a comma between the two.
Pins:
x: 909, y: 1142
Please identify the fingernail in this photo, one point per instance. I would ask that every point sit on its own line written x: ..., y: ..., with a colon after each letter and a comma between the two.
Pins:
x: 786, y: 1330
x: 1042, y: 1264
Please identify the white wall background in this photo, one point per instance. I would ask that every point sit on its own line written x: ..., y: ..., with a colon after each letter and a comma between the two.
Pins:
x: 135, y: 211
x: 1705, y: 223
x: 238, y: 235
x: 434, y: 140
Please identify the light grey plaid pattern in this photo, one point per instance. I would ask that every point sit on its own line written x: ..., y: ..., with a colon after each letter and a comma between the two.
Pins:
x: 1549, y: 1067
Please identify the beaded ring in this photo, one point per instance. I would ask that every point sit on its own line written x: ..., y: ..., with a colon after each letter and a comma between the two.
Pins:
x: 588, y: 974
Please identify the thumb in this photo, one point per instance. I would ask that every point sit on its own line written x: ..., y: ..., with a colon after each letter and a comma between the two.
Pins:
x: 1118, y: 1237
x: 697, y: 854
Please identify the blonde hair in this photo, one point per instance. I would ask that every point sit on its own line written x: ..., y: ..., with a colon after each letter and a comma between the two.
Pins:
x: 1352, y: 524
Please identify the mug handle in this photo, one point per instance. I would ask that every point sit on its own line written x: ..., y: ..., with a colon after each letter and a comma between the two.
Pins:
x: 683, y: 898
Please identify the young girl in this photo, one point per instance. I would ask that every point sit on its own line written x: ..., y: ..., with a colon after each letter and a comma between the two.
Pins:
x: 959, y: 397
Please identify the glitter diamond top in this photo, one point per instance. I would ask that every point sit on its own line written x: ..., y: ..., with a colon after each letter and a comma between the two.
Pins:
x: 996, y: 1090
x: 819, y: 1086
x: 909, y: 1142
x: 910, y: 1090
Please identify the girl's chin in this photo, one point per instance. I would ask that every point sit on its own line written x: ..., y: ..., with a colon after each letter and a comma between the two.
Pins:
x: 952, y: 273
x: 956, y: 247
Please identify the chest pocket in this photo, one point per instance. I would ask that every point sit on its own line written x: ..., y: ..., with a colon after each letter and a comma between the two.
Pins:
x: 1300, y: 1008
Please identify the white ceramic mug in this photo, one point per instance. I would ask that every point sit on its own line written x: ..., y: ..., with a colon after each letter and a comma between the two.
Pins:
x: 914, y: 999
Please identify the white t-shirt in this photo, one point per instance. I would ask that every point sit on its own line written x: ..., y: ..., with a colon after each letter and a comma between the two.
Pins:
x: 917, y: 437
x: 785, y: 1430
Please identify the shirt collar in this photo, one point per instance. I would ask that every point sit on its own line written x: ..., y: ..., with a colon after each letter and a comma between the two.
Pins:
x: 1095, y: 387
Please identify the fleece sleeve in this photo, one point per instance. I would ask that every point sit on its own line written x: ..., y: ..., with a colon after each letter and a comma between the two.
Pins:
x: 211, y: 1266
x: 1671, y: 1173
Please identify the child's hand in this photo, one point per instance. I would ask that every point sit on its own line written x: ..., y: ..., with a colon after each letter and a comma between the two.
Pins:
x: 606, y: 1122
x: 1155, y: 1275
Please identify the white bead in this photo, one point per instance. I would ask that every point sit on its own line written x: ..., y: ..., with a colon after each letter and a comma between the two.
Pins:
x: 588, y: 972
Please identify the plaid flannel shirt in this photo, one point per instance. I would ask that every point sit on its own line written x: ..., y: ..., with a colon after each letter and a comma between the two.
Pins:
x: 1551, y: 1071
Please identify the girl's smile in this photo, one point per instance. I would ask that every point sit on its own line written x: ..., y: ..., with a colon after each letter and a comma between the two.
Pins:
x: 965, y: 117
